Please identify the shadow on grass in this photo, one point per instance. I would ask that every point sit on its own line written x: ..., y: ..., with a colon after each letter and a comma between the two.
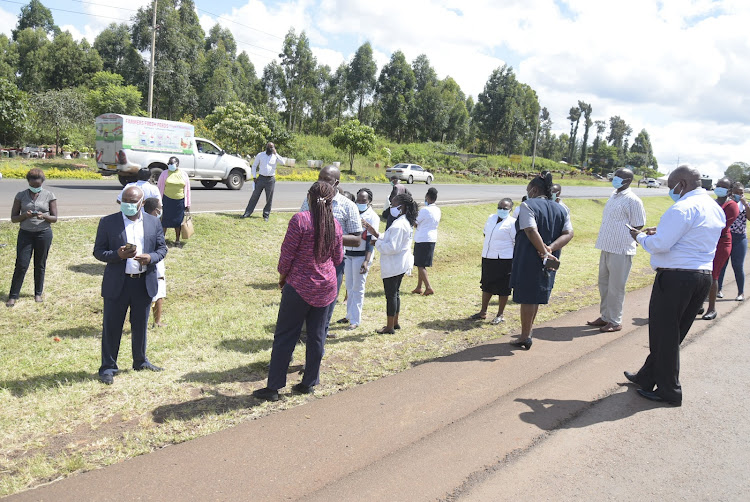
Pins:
x: 88, y: 268
x: 264, y: 286
x: 25, y: 386
x: 246, y: 346
x: 447, y: 325
x: 236, y: 216
x: 552, y: 414
x: 253, y: 372
x: 78, y: 332
x: 216, y: 404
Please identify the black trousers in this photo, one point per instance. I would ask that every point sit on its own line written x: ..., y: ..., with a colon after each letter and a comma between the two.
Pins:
x: 676, y: 297
x: 293, y: 311
x: 391, y: 285
x: 134, y: 297
x: 267, y: 183
x: 28, y: 243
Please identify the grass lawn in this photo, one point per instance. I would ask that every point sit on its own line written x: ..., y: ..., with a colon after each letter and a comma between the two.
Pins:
x: 56, y: 418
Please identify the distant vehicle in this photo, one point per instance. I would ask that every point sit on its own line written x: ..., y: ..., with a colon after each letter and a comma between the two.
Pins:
x: 652, y: 183
x: 707, y: 182
x: 125, y: 144
x: 610, y: 176
x: 409, y: 173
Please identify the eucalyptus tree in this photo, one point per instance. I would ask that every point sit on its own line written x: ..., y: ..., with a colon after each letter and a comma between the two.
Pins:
x: 361, y: 76
x: 586, y: 110
x: 395, y: 94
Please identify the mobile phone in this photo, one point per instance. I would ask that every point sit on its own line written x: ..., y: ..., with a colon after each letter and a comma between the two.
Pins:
x: 129, y: 246
x: 632, y: 228
x: 550, y: 262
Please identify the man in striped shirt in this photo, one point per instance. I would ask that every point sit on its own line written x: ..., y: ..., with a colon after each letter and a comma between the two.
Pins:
x: 617, y: 249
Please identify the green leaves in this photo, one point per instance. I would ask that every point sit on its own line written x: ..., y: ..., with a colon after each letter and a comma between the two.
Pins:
x: 238, y: 129
x: 13, y: 113
x: 354, y: 138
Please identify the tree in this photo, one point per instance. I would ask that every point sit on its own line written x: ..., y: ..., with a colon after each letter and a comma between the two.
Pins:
x: 496, y: 110
x: 120, y: 56
x: 361, y: 76
x: 424, y: 73
x: 13, y: 113
x: 739, y: 171
x: 71, y: 63
x: 33, y: 50
x: 619, y: 130
x: 35, y: 15
x: 299, y: 64
x: 60, y: 112
x: 395, y: 93
x: 641, y: 153
x: 354, y: 138
x: 574, y: 116
x: 238, y: 128
x: 586, y: 110
x: 109, y: 95
x: 8, y: 58
x: 339, y: 92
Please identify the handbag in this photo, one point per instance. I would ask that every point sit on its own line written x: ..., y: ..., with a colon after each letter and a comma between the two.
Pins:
x: 186, y: 228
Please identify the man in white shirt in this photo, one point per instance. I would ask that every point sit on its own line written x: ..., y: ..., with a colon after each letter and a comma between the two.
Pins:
x: 150, y: 191
x: 265, y: 163
x: 682, y: 251
x: 425, y: 238
x: 556, y: 193
x: 617, y: 249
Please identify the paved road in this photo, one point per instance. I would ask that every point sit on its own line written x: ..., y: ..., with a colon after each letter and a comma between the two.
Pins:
x: 558, y: 422
x: 97, y: 198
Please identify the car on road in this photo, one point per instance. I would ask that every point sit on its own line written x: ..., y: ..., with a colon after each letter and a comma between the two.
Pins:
x: 652, y: 183
x: 409, y: 173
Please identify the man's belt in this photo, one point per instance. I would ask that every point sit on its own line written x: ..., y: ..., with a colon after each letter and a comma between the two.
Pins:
x: 136, y: 276
x: 695, y: 270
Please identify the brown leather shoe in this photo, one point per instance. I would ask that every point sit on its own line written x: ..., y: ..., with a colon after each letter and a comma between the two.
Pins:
x: 599, y: 322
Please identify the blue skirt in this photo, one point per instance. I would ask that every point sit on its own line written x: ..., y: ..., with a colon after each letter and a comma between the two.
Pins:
x: 173, y: 212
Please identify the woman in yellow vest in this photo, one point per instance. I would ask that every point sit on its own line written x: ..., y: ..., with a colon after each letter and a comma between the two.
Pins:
x: 174, y: 186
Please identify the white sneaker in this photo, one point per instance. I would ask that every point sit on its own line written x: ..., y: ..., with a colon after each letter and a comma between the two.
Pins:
x: 719, y: 295
x: 740, y: 298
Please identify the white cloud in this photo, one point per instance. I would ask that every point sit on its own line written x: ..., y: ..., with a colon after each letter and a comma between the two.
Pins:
x: 329, y: 57
x: 8, y: 21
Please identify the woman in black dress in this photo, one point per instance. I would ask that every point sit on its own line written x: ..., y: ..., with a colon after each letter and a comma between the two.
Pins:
x: 543, y: 228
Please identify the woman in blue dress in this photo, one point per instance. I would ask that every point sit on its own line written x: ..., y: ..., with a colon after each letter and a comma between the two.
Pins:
x: 543, y: 228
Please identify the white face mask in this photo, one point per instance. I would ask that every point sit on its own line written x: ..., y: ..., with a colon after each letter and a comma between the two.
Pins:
x: 395, y: 212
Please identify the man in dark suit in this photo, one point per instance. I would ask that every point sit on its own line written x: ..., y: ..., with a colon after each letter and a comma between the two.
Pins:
x: 131, y: 243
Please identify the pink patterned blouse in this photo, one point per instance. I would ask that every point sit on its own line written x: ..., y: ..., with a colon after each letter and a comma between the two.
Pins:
x: 315, y: 282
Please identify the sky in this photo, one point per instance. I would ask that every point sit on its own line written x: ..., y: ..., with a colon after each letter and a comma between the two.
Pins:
x: 678, y: 68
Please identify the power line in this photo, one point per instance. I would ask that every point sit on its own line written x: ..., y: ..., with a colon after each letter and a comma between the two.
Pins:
x: 239, y: 24
x: 70, y: 11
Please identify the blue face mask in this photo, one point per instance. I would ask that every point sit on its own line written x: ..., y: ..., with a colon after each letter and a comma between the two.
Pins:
x: 736, y: 197
x: 503, y: 213
x: 129, y: 208
x: 172, y: 167
x: 362, y: 207
x: 426, y: 203
x: 617, y: 182
x: 721, y: 191
x: 675, y: 196
x: 35, y: 189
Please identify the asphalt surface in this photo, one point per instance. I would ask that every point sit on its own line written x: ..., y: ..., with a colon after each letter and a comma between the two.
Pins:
x: 77, y: 198
x: 558, y: 422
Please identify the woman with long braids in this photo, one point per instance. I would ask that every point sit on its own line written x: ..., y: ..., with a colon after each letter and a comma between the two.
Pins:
x: 395, y: 254
x: 542, y: 229
x: 312, y: 248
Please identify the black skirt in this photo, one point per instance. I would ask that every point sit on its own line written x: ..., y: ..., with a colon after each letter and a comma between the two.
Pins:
x: 423, y: 252
x: 496, y: 276
x: 173, y: 212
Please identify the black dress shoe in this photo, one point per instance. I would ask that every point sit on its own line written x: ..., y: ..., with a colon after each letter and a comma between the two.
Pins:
x: 266, y: 394
x: 631, y: 377
x: 700, y: 311
x: 526, y: 344
x: 148, y: 366
x: 709, y: 316
x: 303, y: 389
x: 106, y: 379
x: 245, y: 215
x: 653, y: 396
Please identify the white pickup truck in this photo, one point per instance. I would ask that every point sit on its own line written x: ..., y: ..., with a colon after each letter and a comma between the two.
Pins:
x: 125, y: 144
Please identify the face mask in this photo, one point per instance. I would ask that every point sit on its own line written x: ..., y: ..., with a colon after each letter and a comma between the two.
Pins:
x: 721, y: 191
x: 503, y: 213
x: 736, y: 197
x: 158, y: 215
x: 675, y: 196
x: 395, y: 212
x: 35, y: 189
x: 426, y: 203
x: 129, y: 208
x: 362, y: 207
x: 617, y: 182
x: 171, y: 167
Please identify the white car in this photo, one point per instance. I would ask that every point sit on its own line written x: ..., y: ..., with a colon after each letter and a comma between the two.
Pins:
x: 409, y: 173
x: 652, y: 183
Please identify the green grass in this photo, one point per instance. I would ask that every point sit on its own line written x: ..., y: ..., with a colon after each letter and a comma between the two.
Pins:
x: 56, y: 418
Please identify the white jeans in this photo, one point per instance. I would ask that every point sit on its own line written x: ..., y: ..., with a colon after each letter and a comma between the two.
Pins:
x: 355, y: 288
x: 613, y: 275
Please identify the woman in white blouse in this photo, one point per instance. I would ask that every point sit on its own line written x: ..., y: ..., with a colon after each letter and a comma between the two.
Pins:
x: 497, y: 259
x: 396, y: 258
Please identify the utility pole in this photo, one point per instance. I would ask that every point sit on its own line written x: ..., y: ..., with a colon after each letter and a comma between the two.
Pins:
x: 151, y: 72
x: 536, y: 138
